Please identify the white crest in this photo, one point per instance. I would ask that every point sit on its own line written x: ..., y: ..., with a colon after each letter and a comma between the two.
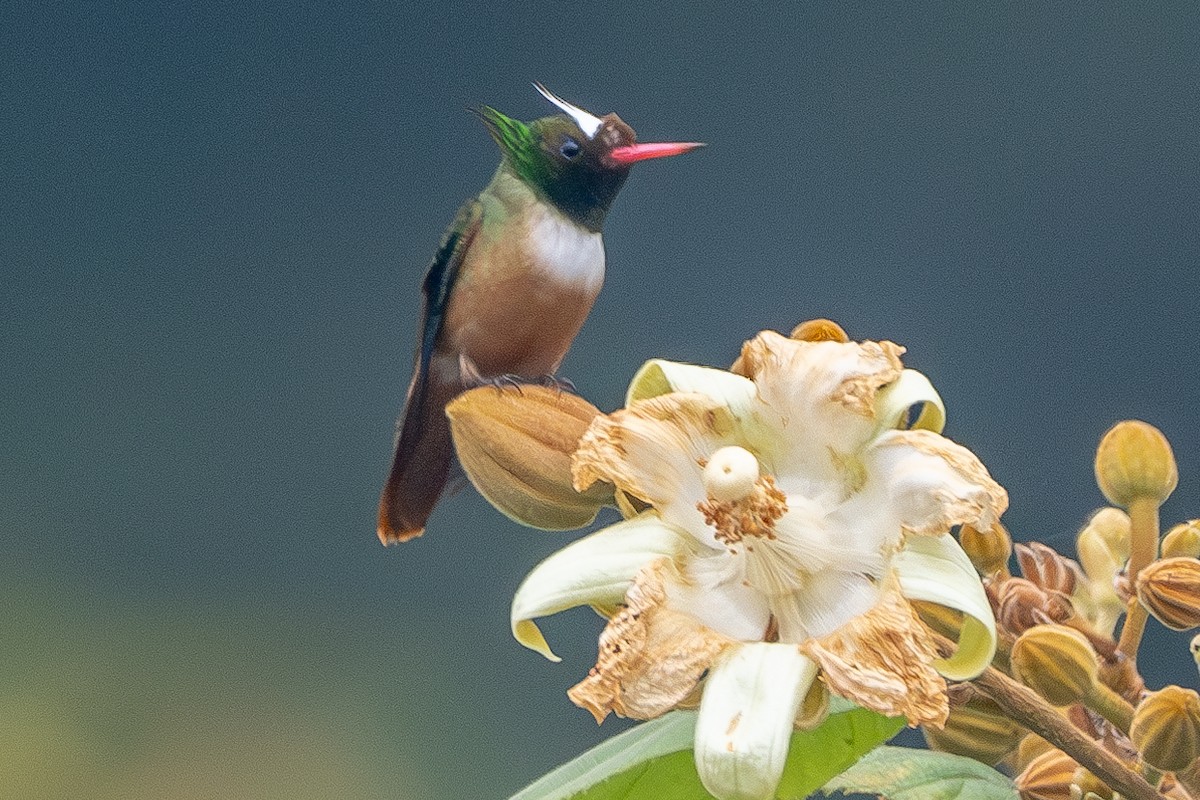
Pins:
x: 588, y: 123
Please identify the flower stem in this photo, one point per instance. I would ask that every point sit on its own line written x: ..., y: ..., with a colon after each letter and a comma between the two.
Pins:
x: 1134, y: 627
x: 1110, y: 705
x: 1143, y: 548
x: 1028, y: 708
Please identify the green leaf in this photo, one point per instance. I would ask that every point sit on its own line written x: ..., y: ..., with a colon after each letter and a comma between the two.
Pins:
x: 901, y: 773
x: 654, y: 760
x: 843, y: 738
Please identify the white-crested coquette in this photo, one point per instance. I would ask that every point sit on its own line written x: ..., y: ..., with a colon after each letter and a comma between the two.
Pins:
x: 511, y: 283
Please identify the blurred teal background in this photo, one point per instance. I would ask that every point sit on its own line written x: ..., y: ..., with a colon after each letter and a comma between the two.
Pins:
x: 213, y: 224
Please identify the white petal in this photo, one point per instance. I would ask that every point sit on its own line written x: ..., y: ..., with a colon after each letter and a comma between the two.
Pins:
x: 911, y: 389
x: 660, y: 376
x: 756, y: 426
x: 715, y: 592
x: 595, y: 570
x: 824, y: 396
x: 746, y: 715
x: 865, y: 526
x: 828, y: 601
x: 935, y: 569
x: 930, y: 483
x: 655, y: 450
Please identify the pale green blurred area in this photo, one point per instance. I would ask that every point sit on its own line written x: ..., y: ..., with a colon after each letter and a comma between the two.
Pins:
x: 103, y: 701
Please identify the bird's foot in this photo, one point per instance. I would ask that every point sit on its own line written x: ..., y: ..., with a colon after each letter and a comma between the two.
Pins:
x: 555, y: 382
x: 510, y: 381
x: 502, y: 382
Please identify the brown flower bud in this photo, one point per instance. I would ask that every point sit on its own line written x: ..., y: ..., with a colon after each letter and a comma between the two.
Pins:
x: 977, y: 729
x: 1055, y: 661
x: 1047, y: 568
x: 1134, y: 461
x: 988, y: 550
x: 1170, y: 590
x: 516, y: 445
x: 1182, y: 541
x: 1022, y: 604
x: 1166, y: 728
x: 820, y: 330
x: 1047, y: 777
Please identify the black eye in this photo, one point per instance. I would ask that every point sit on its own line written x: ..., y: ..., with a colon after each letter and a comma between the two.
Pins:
x: 569, y: 148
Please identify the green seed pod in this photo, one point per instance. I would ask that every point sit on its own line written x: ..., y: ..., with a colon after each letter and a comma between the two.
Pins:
x: 1166, y: 728
x: 1055, y: 661
x: 988, y: 550
x: 977, y: 729
x: 1134, y: 461
x: 1103, y: 545
x: 1182, y: 541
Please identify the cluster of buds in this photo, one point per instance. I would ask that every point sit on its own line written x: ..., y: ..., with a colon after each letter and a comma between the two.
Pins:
x: 1068, y: 630
x: 1057, y: 621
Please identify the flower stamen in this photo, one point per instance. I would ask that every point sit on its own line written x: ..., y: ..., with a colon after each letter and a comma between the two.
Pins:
x: 753, y: 515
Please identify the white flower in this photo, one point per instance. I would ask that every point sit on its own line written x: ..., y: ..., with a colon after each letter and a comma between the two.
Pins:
x: 790, y: 518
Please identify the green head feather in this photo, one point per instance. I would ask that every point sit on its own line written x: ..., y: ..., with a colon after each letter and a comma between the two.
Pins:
x: 520, y: 144
x: 579, y: 182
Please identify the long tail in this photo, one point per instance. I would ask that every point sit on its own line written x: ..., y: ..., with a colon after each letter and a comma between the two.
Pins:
x: 423, y: 458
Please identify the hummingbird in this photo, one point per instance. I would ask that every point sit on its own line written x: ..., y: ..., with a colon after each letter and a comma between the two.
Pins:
x: 510, y: 285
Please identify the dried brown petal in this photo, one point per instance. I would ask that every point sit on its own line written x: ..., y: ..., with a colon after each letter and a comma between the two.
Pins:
x: 651, y: 656
x: 882, y: 660
x: 878, y: 365
x: 645, y: 448
x: 1022, y: 604
x: 516, y: 444
x: 1047, y: 568
x: 981, y: 506
x: 814, y: 330
x: 1170, y: 590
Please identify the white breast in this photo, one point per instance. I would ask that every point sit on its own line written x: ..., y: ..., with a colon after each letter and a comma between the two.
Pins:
x: 567, y: 253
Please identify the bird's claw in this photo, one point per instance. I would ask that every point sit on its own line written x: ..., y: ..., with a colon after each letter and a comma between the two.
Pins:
x: 502, y: 382
x: 510, y: 381
x: 562, y: 384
